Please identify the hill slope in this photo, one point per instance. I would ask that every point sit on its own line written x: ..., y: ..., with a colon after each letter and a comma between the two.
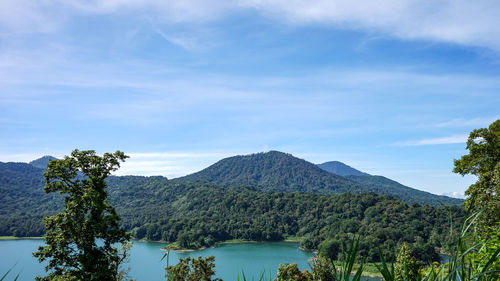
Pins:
x: 341, y: 169
x: 194, y: 213
x: 42, y: 162
x: 275, y: 171
x: 389, y: 186
x: 278, y: 171
x: 401, y: 191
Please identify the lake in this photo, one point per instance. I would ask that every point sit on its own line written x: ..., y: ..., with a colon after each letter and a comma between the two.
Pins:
x: 146, y: 265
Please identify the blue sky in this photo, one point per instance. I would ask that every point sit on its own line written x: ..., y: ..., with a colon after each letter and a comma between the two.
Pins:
x: 388, y: 87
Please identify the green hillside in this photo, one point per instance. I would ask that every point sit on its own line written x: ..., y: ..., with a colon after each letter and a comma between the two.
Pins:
x: 278, y: 171
x: 275, y: 171
x: 205, y: 214
x: 403, y: 192
x: 388, y: 186
x: 196, y: 213
x: 42, y: 162
x: 341, y: 169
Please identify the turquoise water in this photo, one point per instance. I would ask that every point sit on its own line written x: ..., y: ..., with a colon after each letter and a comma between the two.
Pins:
x: 230, y: 259
x: 146, y: 265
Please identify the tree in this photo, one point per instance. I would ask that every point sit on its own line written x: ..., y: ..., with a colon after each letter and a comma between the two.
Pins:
x: 191, y: 269
x: 323, y: 269
x: 79, y: 240
x: 329, y: 248
x: 290, y: 272
x: 406, y: 266
x: 483, y: 161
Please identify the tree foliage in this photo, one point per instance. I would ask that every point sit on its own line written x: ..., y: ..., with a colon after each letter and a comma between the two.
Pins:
x: 202, y: 216
x: 406, y: 266
x: 290, y: 272
x: 191, y: 269
x: 278, y: 171
x: 198, y: 214
x: 79, y: 240
x: 483, y: 161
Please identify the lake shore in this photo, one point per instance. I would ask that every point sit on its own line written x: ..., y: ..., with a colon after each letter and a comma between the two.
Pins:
x: 177, y: 248
x: 370, y: 270
x: 20, y: 238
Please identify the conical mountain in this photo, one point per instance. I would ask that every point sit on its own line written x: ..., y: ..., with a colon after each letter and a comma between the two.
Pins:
x: 341, y: 169
x: 276, y: 171
x: 42, y: 162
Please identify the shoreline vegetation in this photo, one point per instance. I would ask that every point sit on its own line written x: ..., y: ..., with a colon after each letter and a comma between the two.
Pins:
x: 473, y: 247
x: 177, y: 248
x: 369, y: 269
x: 21, y: 238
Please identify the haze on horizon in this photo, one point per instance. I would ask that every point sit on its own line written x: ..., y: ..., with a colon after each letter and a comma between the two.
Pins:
x: 389, y: 88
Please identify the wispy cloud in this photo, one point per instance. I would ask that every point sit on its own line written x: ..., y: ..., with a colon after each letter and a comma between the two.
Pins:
x: 473, y: 23
x: 462, y: 22
x: 455, y: 194
x: 174, y: 155
x: 171, y: 164
x: 434, y: 141
x: 200, y: 39
x: 26, y: 157
x: 463, y: 122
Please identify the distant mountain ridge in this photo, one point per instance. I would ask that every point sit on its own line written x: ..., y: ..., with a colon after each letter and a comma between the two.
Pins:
x: 198, y: 214
x: 257, y: 199
x: 271, y: 171
x: 275, y: 171
x: 341, y: 169
x: 42, y: 162
x: 391, y: 187
x: 278, y: 171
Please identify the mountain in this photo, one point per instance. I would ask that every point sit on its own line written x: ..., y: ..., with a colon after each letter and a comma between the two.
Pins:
x: 341, y: 169
x: 275, y: 171
x: 23, y: 203
x: 401, y: 191
x: 197, y: 213
x: 42, y: 162
x: 388, y: 186
x: 278, y: 171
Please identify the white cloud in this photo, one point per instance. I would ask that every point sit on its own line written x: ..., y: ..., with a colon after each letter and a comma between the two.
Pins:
x: 435, y: 141
x: 26, y: 16
x: 171, y: 164
x: 455, y: 21
x: 173, y: 155
x: 169, y: 11
x: 455, y: 194
x: 26, y: 157
x: 29, y: 16
x: 463, y: 122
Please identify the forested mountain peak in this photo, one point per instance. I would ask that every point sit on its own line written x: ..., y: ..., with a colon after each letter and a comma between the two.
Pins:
x: 341, y: 169
x: 275, y: 171
x: 279, y: 171
x: 42, y: 161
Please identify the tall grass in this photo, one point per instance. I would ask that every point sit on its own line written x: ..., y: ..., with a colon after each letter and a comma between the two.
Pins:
x: 460, y: 267
x: 7, y: 273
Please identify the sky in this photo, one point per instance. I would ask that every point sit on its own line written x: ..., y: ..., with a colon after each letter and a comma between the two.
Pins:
x: 389, y: 87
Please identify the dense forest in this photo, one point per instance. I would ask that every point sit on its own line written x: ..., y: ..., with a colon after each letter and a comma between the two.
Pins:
x: 341, y: 169
x: 278, y: 171
x: 197, y: 213
x: 204, y: 215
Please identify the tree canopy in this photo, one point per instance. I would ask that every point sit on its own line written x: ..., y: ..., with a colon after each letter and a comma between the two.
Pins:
x: 79, y: 240
x: 483, y: 161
